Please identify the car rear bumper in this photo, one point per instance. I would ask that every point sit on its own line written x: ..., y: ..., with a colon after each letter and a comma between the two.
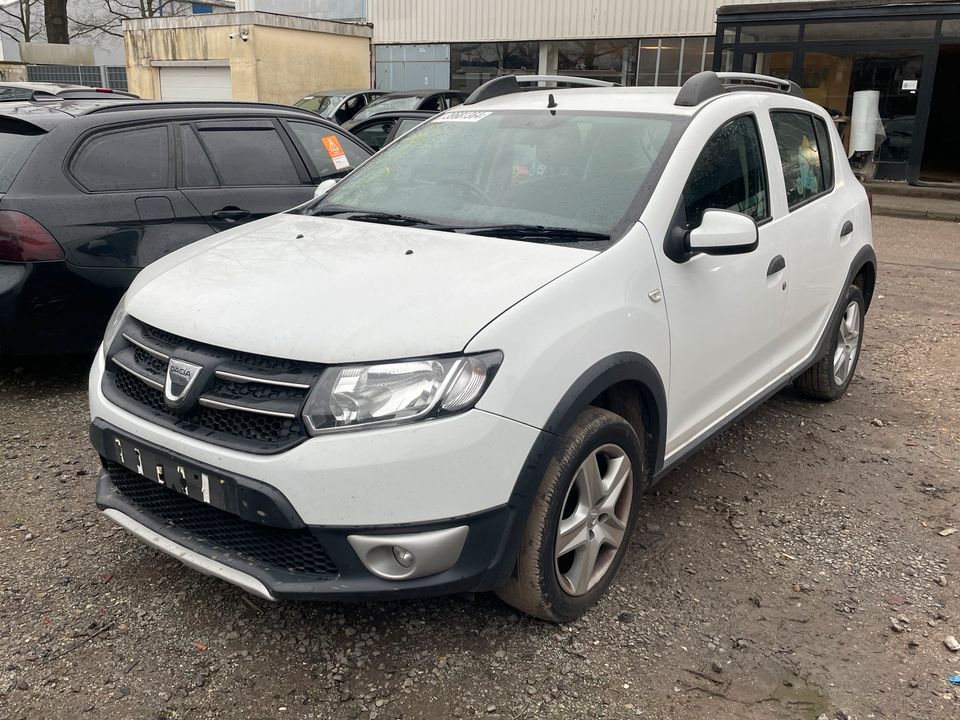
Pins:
x: 56, y: 307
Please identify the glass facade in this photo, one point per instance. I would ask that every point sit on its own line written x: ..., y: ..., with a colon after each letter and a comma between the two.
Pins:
x: 610, y: 60
x: 472, y: 64
x: 672, y: 61
x: 878, y: 72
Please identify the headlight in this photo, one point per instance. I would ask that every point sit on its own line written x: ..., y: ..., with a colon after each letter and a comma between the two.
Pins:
x: 113, y: 324
x: 396, y: 392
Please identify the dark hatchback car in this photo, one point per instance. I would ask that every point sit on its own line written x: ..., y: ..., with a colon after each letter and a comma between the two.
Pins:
x: 91, y: 192
x: 383, y: 128
x: 429, y: 100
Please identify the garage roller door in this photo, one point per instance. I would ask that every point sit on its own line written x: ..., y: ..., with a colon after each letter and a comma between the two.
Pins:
x: 195, y: 83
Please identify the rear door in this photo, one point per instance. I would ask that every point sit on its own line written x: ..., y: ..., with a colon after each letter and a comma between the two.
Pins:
x: 238, y: 170
x: 132, y: 213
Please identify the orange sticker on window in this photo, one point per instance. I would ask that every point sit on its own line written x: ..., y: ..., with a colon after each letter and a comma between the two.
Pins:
x: 335, y: 151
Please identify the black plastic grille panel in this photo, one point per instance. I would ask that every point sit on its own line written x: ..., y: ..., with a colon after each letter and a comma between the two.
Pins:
x: 292, y: 551
x: 242, y: 429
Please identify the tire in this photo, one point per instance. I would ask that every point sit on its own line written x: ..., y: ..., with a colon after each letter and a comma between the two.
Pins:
x: 830, y: 377
x: 561, y: 587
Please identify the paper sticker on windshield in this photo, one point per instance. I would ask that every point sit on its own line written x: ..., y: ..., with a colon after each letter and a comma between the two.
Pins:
x: 335, y: 151
x: 462, y: 116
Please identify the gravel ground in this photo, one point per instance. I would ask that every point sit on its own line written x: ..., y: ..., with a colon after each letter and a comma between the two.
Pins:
x: 795, y: 568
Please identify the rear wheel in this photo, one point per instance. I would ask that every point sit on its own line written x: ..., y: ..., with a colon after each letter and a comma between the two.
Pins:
x: 831, y: 376
x: 582, y: 518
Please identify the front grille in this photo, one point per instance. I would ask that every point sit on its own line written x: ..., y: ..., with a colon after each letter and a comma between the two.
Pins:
x: 247, y: 402
x: 292, y: 551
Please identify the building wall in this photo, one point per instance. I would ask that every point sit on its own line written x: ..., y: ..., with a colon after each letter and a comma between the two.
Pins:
x: 431, y: 21
x: 293, y: 63
x: 278, y: 63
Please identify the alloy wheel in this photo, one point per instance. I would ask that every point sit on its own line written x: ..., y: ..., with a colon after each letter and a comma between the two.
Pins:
x: 594, y: 518
x: 848, y: 344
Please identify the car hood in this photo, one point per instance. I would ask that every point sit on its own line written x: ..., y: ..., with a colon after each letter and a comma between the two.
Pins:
x: 336, y: 291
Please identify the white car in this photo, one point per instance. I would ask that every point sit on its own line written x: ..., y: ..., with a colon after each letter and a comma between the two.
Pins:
x: 459, y: 369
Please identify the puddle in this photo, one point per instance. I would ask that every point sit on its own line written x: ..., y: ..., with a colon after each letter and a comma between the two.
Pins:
x: 794, y: 692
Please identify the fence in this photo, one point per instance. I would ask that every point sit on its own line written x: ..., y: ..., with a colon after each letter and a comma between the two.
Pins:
x: 108, y: 76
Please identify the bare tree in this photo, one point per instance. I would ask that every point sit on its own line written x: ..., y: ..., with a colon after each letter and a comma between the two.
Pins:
x: 108, y: 18
x: 17, y: 19
x: 55, y: 19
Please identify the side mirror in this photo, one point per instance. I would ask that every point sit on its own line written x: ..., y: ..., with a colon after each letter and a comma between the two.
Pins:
x: 323, y: 188
x: 723, y: 232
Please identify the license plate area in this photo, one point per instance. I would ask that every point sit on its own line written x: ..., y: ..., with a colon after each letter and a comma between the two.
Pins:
x: 182, y: 477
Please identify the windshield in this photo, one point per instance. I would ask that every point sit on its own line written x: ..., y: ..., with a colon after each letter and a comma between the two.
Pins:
x: 476, y: 169
x: 321, y: 104
x: 387, y: 105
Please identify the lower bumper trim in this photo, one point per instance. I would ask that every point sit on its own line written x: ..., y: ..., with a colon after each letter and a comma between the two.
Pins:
x: 198, y: 562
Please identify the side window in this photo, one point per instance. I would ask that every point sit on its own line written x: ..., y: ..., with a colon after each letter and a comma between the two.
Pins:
x: 406, y: 126
x: 453, y: 100
x: 349, y: 108
x: 248, y: 153
x: 729, y: 174
x: 433, y: 103
x: 135, y: 159
x: 325, y: 161
x: 195, y: 167
x: 375, y: 135
x: 826, y: 153
x: 799, y: 156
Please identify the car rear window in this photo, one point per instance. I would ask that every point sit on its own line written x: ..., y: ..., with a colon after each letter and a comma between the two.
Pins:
x: 17, y: 141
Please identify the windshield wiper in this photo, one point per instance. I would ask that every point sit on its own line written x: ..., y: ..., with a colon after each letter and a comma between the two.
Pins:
x: 377, y: 217
x: 542, y: 233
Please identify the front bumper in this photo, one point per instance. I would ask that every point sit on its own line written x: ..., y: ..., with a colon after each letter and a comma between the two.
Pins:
x: 310, y: 563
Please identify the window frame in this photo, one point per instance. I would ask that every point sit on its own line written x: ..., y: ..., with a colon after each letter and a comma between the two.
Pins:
x: 828, y: 189
x: 181, y: 179
x: 293, y: 153
x: 70, y: 158
x: 681, y: 212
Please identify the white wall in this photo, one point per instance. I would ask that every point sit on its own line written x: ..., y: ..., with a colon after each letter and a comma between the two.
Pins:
x: 320, y: 9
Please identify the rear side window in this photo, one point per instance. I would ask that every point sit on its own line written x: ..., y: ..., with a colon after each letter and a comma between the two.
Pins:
x: 17, y: 141
x: 375, y: 135
x: 326, y: 161
x: 729, y: 175
x: 826, y: 154
x: 196, y: 169
x: 407, y: 125
x: 135, y: 159
x: 248, y: 153
x: 800, y: 157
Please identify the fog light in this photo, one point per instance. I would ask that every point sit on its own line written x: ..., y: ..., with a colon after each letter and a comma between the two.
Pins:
x: 403, y: 556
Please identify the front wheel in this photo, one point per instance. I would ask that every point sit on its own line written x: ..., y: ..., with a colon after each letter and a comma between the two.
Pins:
x: 581, y: 521
x: 830, y: 377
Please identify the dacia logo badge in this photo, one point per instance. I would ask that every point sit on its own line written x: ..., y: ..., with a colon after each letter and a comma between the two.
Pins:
x: 181, y: 375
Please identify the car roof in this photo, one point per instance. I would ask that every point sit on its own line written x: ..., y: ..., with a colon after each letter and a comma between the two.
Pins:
x: 44, y: 86
x: 413, y: 93
x: 659, y: 100
x: 47, y: 114
x: 342, y: 91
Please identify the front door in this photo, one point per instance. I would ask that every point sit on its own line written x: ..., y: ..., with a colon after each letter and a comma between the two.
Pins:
x: 725, y: 311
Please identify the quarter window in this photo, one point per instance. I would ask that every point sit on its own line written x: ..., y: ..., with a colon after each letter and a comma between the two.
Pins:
x: 312, y: 136
x: 807, y: 171
x: 248, y: 153
x: 135, y: 159
x: 729, y: 175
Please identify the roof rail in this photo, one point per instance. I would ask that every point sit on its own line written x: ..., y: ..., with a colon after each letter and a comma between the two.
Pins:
x: 509, y: 84
x: 707, y: 84
x: 137, y: 104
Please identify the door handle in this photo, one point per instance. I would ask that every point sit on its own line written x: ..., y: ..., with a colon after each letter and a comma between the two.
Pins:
x: 231, y: 214
x: 847, y: 229
x: 776, y: 265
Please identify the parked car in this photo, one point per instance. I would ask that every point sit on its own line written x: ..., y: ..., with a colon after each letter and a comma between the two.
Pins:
x: 39, y: 90
x: 383, y: 128
x: 338, y: 105
x: 458, y: 370
x: 93, y: 191
x: 429, y: 100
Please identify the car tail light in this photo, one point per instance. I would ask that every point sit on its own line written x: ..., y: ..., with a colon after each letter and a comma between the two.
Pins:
x: 23, y: 239
x: 103, y: 90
